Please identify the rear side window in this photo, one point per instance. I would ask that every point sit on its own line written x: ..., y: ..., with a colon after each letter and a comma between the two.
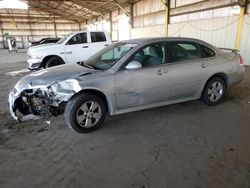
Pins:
x: 184, y: 51
x: 208, y: 52
x: 98, y: 37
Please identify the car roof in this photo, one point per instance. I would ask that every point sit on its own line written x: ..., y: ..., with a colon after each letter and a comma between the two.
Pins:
x: 152, y: 39
x: 158, y: 39
x: 85, y: 31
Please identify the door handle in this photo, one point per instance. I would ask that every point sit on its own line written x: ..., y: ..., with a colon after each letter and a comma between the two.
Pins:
x: 204, y: 65
x: 68, y: 52
x: 85, y: 46
x: 106, y: 45
x: 162, y: 71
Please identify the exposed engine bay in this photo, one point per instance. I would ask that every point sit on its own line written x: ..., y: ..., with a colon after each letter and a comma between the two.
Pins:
x: 42, y: 102
x: 37, y: 103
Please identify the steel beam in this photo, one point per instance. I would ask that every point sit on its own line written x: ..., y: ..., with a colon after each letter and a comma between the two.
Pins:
x: 202, y: 6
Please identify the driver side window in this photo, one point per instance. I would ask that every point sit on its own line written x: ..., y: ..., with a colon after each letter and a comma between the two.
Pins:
x: 79, y: 38
x: 154, y: 54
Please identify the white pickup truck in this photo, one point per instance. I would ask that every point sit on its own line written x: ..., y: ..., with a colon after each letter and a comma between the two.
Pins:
x: 73, y: 48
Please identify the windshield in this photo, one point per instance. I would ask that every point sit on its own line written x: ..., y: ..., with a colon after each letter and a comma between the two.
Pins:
x: 107, y: 57
x: 63, y: 39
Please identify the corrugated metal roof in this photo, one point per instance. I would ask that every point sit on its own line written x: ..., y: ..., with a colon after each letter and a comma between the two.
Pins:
x: 77, y: 10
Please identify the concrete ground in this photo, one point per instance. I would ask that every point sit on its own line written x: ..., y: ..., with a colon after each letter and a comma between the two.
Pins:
x: 182, y: 145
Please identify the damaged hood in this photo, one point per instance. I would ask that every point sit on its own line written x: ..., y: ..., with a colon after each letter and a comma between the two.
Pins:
x: 51, y: 75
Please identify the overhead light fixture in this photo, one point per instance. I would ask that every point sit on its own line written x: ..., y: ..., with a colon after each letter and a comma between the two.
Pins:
x: 13, y: 4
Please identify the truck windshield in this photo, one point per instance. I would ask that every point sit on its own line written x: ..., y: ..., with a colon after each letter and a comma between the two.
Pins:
x: 107, y: 57
x: 63, y: 39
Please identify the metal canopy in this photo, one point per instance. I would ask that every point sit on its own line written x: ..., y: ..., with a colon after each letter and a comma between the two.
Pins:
x: 77, y: 10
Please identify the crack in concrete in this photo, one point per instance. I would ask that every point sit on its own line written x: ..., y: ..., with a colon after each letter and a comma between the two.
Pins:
x: 158, y: 150
x: 149, y: 167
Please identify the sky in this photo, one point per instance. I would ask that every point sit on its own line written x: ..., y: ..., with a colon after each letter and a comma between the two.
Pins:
x: 14, y: 4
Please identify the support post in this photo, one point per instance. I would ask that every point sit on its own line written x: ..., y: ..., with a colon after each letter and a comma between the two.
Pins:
x: 111, y: 24
x: 131, y: 19
x: 1, y: 25
x: 240, y: 25
x: 167, y: 4
x: 54, y: 20
x: 30, y: 29
x: 79, y: 24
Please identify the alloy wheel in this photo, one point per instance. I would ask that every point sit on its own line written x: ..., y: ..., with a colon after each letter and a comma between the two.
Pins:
x: 88, y: 114
x: 215, y: 91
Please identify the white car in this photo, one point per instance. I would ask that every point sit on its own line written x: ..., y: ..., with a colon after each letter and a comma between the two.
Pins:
x: 73, y: 48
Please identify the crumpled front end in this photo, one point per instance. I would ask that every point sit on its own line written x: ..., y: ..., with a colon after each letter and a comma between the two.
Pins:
x: 41, y: 102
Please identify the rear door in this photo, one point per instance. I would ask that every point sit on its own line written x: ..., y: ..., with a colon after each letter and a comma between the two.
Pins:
x: 98, y: 42
x: 77, y: 48
x: 188, y: 68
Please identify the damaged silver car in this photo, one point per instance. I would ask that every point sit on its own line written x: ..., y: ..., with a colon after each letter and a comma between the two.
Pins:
x: 127, y: 76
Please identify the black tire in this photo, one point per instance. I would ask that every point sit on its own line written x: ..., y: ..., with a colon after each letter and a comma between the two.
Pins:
x: 54, y: 61
x: 72, y: 110
x: 209, y: 97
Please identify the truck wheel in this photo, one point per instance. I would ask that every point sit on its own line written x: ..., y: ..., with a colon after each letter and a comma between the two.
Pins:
x: 85, y: 113
x: 54, y: 61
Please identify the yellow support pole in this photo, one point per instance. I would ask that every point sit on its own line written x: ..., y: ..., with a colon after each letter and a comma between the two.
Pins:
x: 166, y: 3
x: 166, y: 19
x: 239, y: 28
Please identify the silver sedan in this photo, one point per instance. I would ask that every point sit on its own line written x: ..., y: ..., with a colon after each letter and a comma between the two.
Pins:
x: 127, y: 76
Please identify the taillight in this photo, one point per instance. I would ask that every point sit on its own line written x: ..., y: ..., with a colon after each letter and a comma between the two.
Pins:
x: 241, y: 61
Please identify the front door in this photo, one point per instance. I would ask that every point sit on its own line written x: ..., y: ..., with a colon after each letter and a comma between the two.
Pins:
x: 147, y: 85
x: 77, y: 48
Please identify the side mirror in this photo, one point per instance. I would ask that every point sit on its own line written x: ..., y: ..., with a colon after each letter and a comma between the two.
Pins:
x: 133, y: 65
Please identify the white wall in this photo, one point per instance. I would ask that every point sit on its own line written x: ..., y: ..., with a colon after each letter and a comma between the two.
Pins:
x: 220, y: 32
x: 178, y: 3
x: 217, y: 26
x: 151, y: 31
x: 31, y: 26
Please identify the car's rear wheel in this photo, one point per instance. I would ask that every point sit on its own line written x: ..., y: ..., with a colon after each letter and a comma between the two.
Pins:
x: 85, y: 113
x: 214, y: 91
x: 54, y: 61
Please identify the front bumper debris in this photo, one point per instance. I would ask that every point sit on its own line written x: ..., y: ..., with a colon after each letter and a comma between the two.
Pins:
x: 41, y: 102
x: 34, y: 64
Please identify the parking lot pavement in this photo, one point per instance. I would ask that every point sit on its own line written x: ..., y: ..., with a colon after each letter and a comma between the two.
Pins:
x: 181, y: 145
x: 12, y: 61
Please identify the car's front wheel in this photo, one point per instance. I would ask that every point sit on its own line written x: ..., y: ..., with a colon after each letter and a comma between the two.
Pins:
x: 214, y: 91
x: 85, y: 113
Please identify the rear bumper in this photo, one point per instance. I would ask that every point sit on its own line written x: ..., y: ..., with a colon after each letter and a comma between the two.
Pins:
x: 236, y: 77
x: 34, y: 64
